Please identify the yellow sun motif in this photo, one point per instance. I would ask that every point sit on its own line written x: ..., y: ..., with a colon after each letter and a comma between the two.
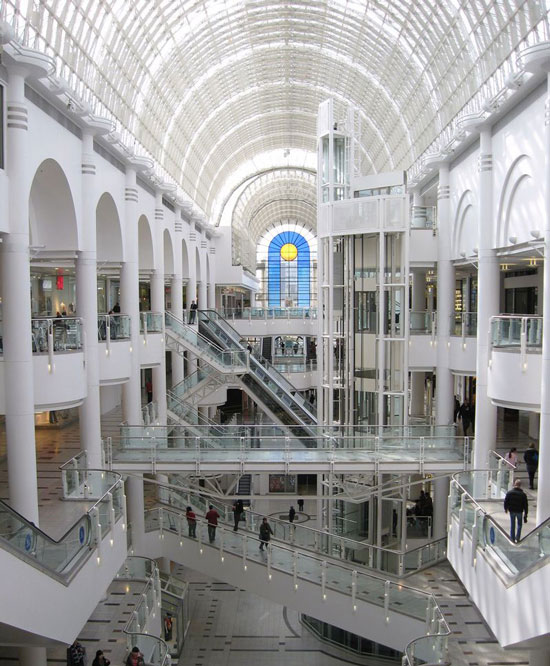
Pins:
x: 289, y: 252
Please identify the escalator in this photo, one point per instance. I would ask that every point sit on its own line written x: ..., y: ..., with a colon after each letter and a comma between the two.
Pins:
x: 261, y: 381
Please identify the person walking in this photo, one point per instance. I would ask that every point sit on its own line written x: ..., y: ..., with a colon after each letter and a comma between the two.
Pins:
x: 191, y: 521
x: 512, y: 457
x: 212, y: 517
x: 301, y: 505
x: 465, y: 416
x: 531, y: 458
x: 265, y: 533
x: 291, y: 514
x: 238, y: 510
x: 100, y: 659
x: 193, y: 312
x: 76, y: 655
x: 515, y: 503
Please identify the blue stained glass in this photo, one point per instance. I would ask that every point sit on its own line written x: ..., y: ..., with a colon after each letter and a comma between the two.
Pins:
x: 300, y: 276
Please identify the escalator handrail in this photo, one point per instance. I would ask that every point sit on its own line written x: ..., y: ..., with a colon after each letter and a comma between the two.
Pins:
x: 265, y: 365
x: 85, y: 546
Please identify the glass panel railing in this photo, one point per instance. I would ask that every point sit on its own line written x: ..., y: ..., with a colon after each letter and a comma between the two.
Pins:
x: 424, y: 217
x: 113, y: 327
x: 474, y: 496
x: 59, y: 558
x: 237, y: 358
x: 302, y: 565
x: 151, y: 322
x: 509, y: 331
x: 464, y: 324
x: 60, y: 334
x: 386, y: 560
x: 153, y: 649
x: 422, y: 323
x: 191, y: 381
x: 268, y: 313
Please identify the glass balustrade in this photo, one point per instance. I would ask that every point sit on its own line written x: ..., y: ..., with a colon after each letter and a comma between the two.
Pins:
x: 191, y: 381
x: 423, y: 217
x: 151, y: 322
x: 154, y: 649
x: 60, y: 334
x: 422, y: 323
x: 303, y: 566
x: 113, y: 327
x: 387, y: 560
x: 251, y: 444
x: 472, y: 500
x: 228, y: 358
x: 508, y: 332
x: 464, y: 324
x: 60, y: 557
x: 269, y: 313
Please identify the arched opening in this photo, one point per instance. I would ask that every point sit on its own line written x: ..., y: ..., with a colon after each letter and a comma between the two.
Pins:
x: 109, y: 254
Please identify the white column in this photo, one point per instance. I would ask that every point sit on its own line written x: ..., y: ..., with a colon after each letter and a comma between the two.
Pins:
x: 441, y: 494
x: 136, y: 512
x: 158, y: 305
x: 32, y: 656
x: 417, y: 378
x: 211, y: 284
x: 129, y: 299
x: 192, y: 283
x: 16, y: 304
x: 543, y: 474
x: 203, y: 296
x: 445, y: 302
x: 86, y: 300
x: 177, y: 311
x: 487, y: 304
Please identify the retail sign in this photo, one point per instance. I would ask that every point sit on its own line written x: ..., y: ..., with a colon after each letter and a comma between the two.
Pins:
x: 59, y: 282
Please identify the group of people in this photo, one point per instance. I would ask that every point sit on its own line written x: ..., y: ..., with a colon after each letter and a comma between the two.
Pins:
x: 531, y: 459
x: 76, y: 656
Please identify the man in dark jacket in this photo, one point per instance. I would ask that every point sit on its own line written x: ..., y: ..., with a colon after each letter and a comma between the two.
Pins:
x: 515, y: 502
x: 265, y: 533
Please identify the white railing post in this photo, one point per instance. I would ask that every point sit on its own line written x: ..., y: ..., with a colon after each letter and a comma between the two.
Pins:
x: 354, y: 590
x: 387, y: 588
x: 324, y: 580
x: 50, y: 343
x: 523, y: 344
x: 295, y: 569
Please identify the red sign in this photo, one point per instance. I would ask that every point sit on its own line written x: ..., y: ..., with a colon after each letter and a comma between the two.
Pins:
x: 59, y: 282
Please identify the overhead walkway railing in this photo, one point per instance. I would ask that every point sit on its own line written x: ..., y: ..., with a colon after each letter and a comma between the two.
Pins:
x: 262, y: 379
x: 197, y: 385
x: 472, y: 497
x: 267, y: 314
x: 63, y: 558
x: 240, y: 449
x: 326, y: 574
x: 464, y: 324
x: 514, y: 333
x: 113, y: 327
x: 180, y: 337
x: 385, y: 560
x: 154, y: 649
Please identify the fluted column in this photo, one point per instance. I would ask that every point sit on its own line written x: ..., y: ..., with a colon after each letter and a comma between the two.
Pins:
x: 129, y: 298
x: 86, y: 299
x: 158, y: 305
x: 487, y: 304
x: 418, y: 305
x: 16, y: 305
x: 445, y: 302
x: 543, y: 482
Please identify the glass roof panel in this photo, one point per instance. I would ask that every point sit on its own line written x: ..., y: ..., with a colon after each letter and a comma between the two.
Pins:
x: 211, y: 88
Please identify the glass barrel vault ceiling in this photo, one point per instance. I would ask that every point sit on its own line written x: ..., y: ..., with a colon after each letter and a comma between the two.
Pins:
x: 215, y: 87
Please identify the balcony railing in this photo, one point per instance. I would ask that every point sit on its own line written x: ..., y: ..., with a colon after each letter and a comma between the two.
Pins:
x: 517, y: 333
x: 422, y: 322
x: 113, y: 327
x: 151, y: 322
x: 58, y: 334
x: 268, y: 313
x: 464, y: 324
